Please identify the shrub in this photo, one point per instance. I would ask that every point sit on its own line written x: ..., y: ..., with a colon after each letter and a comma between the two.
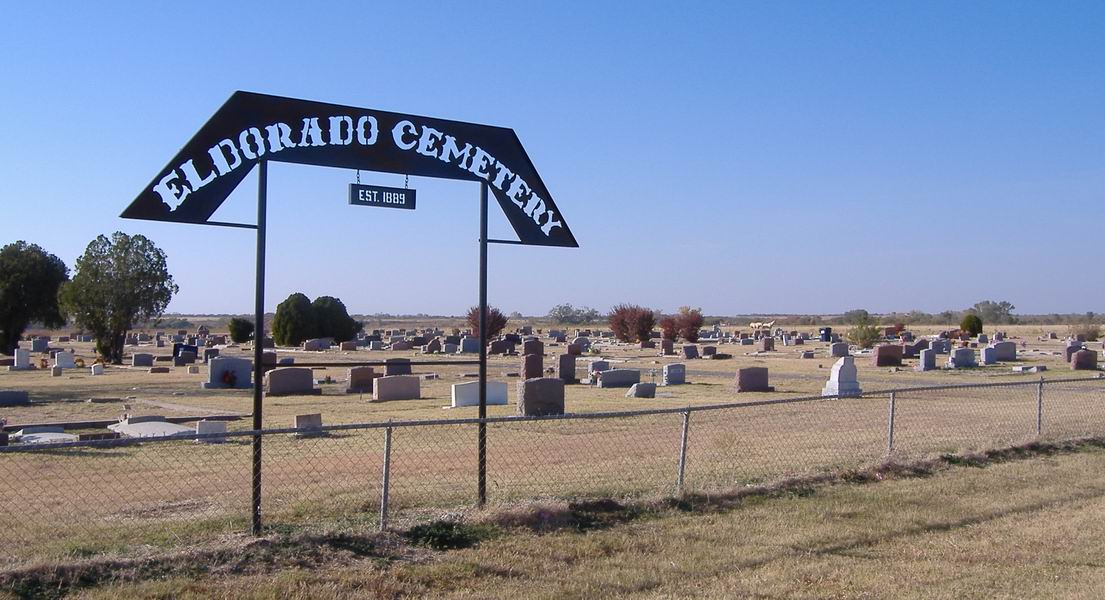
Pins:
x: 689, y: 321
x: 631, y: 323
x: 972, y: 324
x: 1092, y: 331
x: 496, y: 321
x: 447, y: 535
x: 333, y: 320
x: 240, y: 330
x: 864, y: 336
x: 669, y: 328
x: 294, y: 321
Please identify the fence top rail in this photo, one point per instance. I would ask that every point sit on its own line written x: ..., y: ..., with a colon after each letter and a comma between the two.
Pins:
x: 121, y: 442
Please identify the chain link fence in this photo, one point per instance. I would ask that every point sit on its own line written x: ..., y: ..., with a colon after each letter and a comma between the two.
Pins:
x: 139, y: 496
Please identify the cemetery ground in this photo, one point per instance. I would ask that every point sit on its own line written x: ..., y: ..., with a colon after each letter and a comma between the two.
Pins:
x: 155, y: 498
x: 1012, y: 526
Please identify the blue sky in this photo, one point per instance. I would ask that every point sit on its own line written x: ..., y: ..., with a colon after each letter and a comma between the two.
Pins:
x: 769, y: 157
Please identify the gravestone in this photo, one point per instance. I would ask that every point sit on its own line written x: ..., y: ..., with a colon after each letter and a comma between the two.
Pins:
x: 575, y: 349
x: 397, y: 387
x: 675, y: 374
x: 397, y: 366
x: 40, y: 345
x: 912, y: 350
x: 532, y: 366
x: 927, y: 362
x: 709, y: 351
x: 97, y: 369
x: 1069, y: 351
x: 212, y: 428
x: 641, y: 390
x: 228, y: 372
x: 566, y: 368
x: 615, y: 378
x: 141, y: 360
x: 184, y: 358
x: 765, y: 344
x: 1005, y: 351
x: 468, y: 394
x: 454, y: 340
x: 887, y: 355
x: 375, y: 345
x: 690, y: 352
x: 596, y: 366
x: 64, y: 360
x: 448, y: 348
x: 360, y: 380
x: 180, y: 348
x: 347, y: 346
x: 469, y: 345
x: 838, y: 349
x: 401, y: 346
x: 962, y: 358
x: 500, y: 347
x: 843, y: 380
x: 941, y: 346
x: 583, y: 343
x: 533, y: 347
x: 153, y: 370
x: 825, y: 334
x: 667, y: 348
x: 290, y: 381
x: 21, y: 361
x: 983, y: 338
x: 309, y: 425
x: 648, y: 345
x: 209, y: 353
x: 1084, y: 360
x: 538, y: 397
x: 14, y: 398
x: 989, y: 355
x: 753, y: 379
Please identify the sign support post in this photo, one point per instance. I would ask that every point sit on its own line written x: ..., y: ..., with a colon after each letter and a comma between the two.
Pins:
x: 482, y: 441
x: 258, y: 342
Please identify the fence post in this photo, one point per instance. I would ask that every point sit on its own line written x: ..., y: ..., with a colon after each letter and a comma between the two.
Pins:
x: 1040, y: 407
x: 683, y: 451
x: 890, y: 426
x: 385, y: 486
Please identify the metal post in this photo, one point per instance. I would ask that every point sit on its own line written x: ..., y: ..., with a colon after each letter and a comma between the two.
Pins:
x: 890, y: 427
x: 385, y: 485
x: 481, y: 483
x: 683, y: 451
x: 258, y: 340
x: 1040, y: 407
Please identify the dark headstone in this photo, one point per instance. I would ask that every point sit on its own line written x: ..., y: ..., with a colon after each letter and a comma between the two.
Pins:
x: 753, y: 379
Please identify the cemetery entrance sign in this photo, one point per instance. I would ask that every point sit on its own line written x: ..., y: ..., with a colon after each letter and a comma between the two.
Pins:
x: 253, y: 129
x: 378, y: 195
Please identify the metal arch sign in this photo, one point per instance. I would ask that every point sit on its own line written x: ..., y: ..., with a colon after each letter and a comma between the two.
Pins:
x: 251, y: 127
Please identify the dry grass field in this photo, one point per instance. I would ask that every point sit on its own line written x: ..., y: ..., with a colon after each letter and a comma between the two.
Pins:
x: 1027, y: 527
x: 154, y: 497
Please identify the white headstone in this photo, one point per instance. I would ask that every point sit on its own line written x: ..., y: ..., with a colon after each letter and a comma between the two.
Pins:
x: 468, y: 394
x: 843, y: 379
x: 22, y: 360
x: 64, y: 360
x: 98, y: 369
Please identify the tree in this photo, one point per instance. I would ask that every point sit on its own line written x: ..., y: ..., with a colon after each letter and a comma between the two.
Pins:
x: 118, y: 282
x: 689, y: 321
x: 294, y: 321
x: 333, y: 320
x: 994, y: 312
x: 857, y: 316
x: 29, y: 281
x: 669, y: 328
x: 631, y: 323
x: 566, y: 314
x: 496, y: 321
x: 240, y: 330
x: 971, y: 324
x: 863, y: 335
